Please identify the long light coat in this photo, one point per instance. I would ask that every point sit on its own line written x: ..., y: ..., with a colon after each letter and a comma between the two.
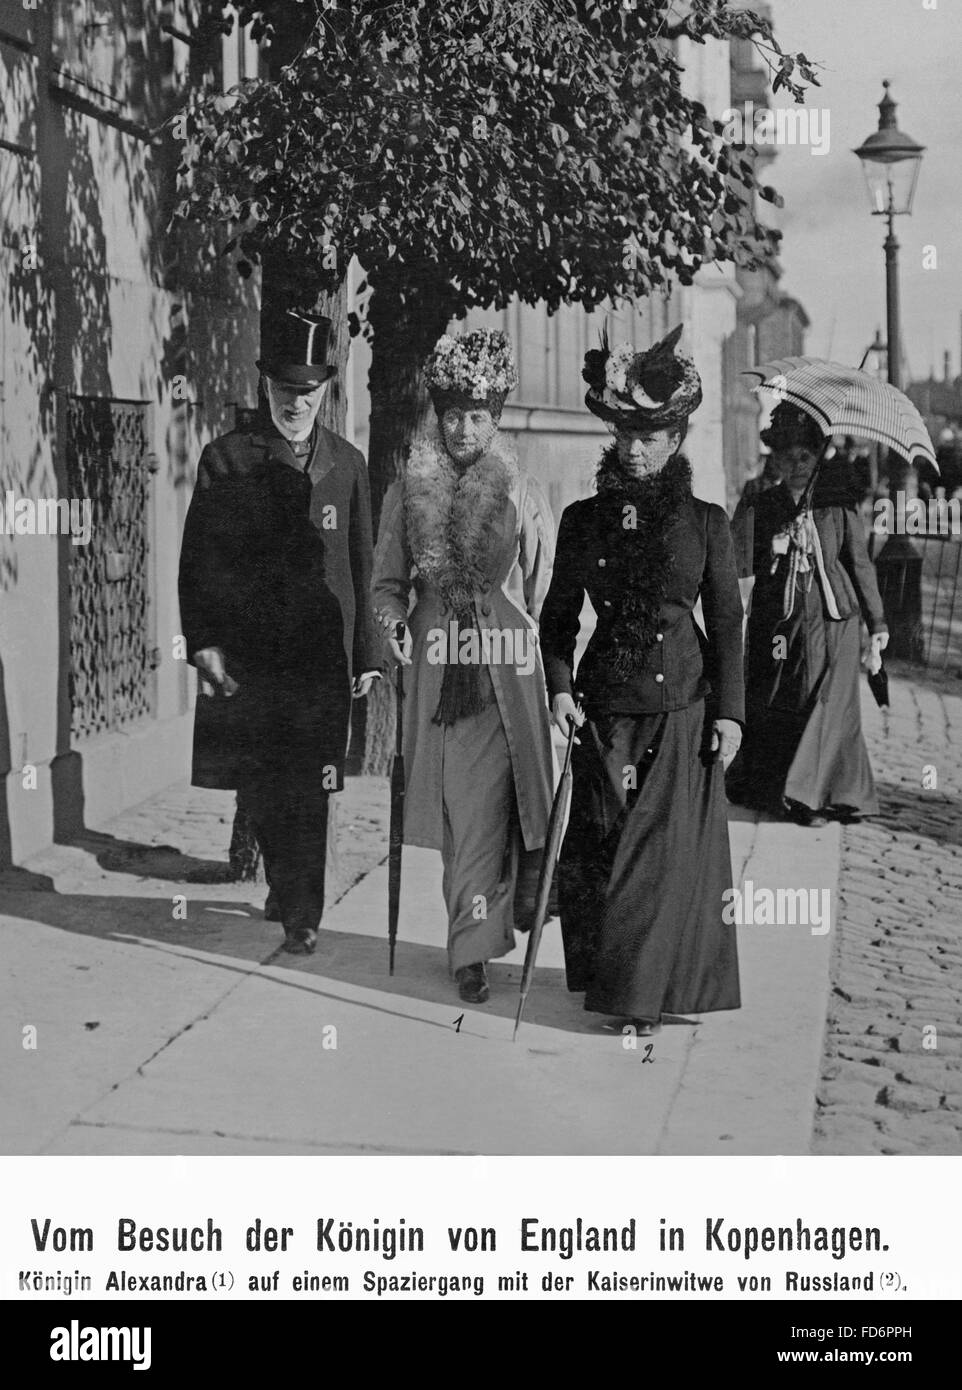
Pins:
x: 517, y: 563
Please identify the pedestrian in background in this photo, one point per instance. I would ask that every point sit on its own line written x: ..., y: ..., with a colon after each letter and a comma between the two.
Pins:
x: 804, y: 757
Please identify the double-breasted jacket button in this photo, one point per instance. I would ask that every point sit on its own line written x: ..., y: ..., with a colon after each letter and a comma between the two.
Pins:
x: 659, y: 637
x: 602, y: 563
x: 659, y: 678
x: 607, y: 602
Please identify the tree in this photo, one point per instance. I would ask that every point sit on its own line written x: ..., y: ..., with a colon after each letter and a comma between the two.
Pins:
x: 468, y: 152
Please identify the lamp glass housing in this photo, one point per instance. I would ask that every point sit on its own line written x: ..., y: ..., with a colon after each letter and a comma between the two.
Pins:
x: 891, y: 182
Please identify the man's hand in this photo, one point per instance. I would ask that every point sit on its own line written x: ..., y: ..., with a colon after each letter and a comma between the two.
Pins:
x: 780, y: 543
x: 564, y: 708
x: 880, y: 641
x: 402, y: 651
x: 362, y: 684
x: 726, y: 740
x: 210, y: 663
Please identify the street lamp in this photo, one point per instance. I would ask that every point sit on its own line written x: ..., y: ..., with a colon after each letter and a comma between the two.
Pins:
x: 891, y: 161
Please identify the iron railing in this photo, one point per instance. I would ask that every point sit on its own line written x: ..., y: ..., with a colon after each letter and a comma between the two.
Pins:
x: 919, y: 580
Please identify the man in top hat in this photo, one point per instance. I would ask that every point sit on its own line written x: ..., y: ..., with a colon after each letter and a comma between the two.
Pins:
x: 274, y: 573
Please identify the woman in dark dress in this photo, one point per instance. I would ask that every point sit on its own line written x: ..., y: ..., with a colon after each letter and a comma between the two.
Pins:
x: 645, y: 863
x: 804, y: 757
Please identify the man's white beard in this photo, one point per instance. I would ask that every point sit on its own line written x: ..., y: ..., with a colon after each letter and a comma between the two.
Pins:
x: 292, y: 436
x: 276, y: 409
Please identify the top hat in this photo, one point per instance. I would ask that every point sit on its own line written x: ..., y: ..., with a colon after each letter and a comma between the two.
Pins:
x: 295, y: 350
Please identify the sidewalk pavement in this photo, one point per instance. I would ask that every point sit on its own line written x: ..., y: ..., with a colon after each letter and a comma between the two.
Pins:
x: 167, y: 1021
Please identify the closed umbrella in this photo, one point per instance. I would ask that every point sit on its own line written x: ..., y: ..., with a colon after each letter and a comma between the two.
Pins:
x: 556, y: 820
x: 396, y: 834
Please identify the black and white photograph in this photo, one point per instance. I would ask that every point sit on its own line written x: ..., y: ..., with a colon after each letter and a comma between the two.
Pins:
x: 481, y: 584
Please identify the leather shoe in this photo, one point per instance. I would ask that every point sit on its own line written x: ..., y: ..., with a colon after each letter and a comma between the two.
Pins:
x: 472, y: 983
x: 301, y: 942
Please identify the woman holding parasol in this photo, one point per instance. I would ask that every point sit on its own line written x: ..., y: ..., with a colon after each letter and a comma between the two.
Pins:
x: 804, y: 757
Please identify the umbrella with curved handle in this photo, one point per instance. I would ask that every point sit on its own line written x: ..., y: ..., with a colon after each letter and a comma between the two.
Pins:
x: 556, y: 820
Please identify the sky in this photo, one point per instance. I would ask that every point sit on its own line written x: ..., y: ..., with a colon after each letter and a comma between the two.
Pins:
x: 832, y: 253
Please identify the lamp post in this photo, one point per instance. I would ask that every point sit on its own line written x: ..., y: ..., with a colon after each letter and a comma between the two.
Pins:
x: 891, y: 161
x: 875, y: 354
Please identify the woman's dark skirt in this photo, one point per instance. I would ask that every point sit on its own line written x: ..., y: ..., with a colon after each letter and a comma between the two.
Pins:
x: 644, y: 869
x: 805, y: 747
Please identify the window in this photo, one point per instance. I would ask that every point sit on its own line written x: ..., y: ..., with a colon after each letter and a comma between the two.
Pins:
x: 99, y: 55
x: 111, y: 657
x: 240, y: 55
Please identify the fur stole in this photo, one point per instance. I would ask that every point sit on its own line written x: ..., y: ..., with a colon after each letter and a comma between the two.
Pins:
x: 642, y: 557
x: 453, y: 516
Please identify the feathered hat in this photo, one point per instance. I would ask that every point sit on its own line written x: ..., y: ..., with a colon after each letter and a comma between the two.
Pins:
x: 650, y: 390
x: 474, y: 368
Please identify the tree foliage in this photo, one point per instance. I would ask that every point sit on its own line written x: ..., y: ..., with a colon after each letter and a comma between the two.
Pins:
x: 474, y: 151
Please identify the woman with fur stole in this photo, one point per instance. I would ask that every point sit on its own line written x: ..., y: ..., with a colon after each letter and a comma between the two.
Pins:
x: 463, y: 559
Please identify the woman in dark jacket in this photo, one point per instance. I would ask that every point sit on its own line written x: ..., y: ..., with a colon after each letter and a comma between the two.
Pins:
x: 804, y: 757
x: 645, y: 863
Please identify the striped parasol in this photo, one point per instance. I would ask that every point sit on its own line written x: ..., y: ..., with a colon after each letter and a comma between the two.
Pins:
x: 845, y: 400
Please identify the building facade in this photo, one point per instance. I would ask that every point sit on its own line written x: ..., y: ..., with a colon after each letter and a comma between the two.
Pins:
x: 768, y: 323
x: 122, y: 348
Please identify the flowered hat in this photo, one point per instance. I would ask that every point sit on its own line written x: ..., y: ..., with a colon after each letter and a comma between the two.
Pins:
x: 474, y: 368
x: 650, y: 390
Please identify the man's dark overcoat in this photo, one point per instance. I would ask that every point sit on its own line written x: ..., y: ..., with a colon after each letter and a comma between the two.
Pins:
x: 252, y: 582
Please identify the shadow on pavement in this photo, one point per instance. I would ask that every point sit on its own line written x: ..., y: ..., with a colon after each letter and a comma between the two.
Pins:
x: 150, y: 861
x: 237, y: 931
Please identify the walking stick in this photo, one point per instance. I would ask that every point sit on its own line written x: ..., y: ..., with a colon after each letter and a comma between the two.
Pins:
x: 396, y: 836
x: 556, y: 821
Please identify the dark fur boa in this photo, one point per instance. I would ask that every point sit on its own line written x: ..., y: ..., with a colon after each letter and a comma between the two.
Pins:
x: 642, y: 558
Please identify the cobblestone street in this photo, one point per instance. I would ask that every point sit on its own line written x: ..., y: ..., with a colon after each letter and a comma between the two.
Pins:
x: 892, y: 1074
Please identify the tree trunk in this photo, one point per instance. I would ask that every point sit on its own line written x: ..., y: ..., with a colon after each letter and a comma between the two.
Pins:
x: 285, y: 288
x: 404, y: 332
